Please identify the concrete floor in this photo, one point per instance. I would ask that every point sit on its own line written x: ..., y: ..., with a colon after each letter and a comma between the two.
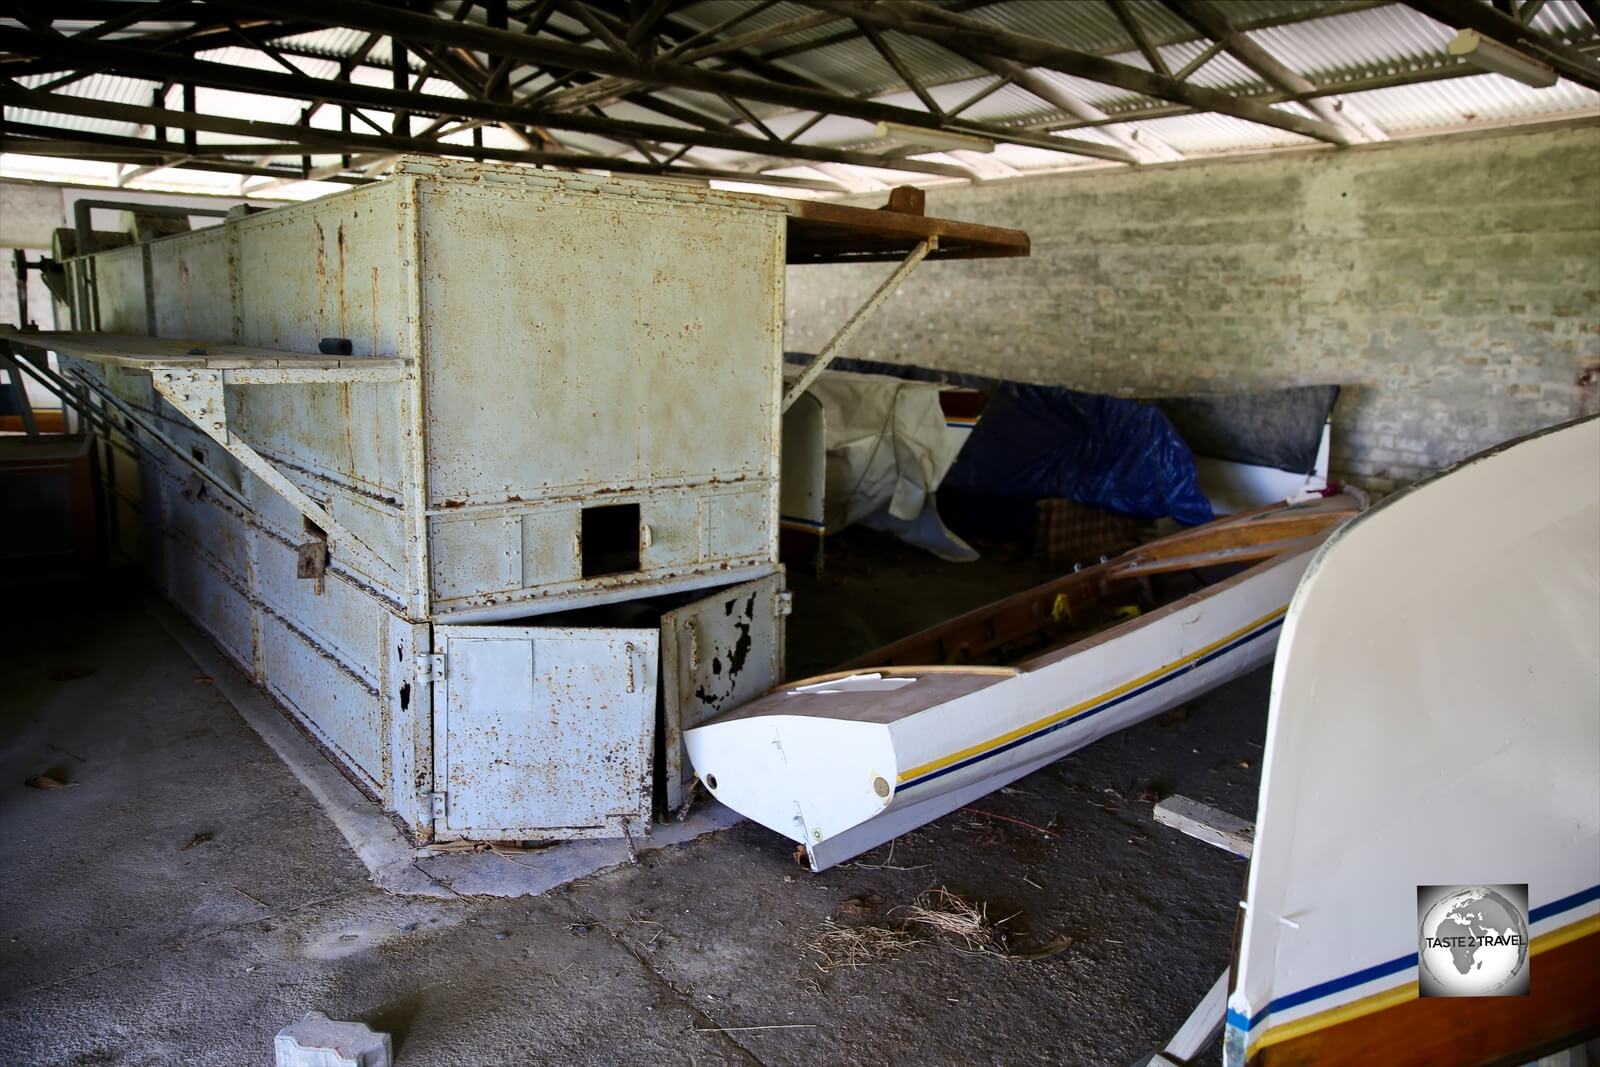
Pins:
x: 184, y: 896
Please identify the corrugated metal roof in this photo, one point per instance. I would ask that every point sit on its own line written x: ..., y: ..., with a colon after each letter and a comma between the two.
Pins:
x: 1468, y: 103
x: 1331, y: 43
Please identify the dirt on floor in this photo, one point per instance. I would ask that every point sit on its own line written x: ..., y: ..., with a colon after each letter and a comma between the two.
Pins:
x: 180, y: 898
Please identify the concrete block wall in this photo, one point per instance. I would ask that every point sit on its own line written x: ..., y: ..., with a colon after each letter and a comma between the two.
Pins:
x: 1451, y: 285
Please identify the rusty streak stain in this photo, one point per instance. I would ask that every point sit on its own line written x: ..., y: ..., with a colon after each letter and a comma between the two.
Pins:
x: 374, y: 311
x: 341, y: 281
x: 322, y: 274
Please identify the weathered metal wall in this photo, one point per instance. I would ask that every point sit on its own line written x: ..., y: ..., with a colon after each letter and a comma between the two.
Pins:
x: 593, y: 342
x: 574, y: 340
x: 341, y: 661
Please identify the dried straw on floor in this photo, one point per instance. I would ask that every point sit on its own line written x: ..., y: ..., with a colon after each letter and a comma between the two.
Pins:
x: 954, y: 916
x: 856, y: 946
x: 947, y: 915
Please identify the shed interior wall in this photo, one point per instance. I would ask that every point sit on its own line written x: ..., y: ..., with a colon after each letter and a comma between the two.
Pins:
x: 1452, y: 286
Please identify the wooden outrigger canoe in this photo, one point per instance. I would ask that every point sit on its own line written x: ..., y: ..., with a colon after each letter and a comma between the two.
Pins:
x: 850, y: 760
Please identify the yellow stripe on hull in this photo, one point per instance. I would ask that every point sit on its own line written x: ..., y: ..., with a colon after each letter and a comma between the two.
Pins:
x: 1389, y: 998
x: 1078, y: 709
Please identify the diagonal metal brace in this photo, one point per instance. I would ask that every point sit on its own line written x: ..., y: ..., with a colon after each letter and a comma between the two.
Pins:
x: 853, y: 323
x: 198, y: 393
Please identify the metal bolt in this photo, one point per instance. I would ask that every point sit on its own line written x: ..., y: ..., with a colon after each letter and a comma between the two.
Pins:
x: 816, y: 835
x: 880, y: 787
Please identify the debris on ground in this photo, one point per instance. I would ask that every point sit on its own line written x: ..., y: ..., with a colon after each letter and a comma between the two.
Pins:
x: 857, y: 909
x: 198, y: 839
x: 938, y: 911
x: 44, y: 781
x: 843, y: 947
x: 954, y: 916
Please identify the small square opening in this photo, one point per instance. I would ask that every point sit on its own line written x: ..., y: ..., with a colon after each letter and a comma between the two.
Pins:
x: 610, y: 539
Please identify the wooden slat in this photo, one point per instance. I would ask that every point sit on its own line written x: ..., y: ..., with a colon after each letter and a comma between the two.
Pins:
x: 821, y: 232
x: 1205, y: 823
x: 1087, y: 598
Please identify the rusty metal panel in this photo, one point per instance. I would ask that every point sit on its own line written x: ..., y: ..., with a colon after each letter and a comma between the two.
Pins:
x: 717, y: 653
x: 476, y: 555
x: 548, y: 732
x: 193, y: 516
x: 120, y: 292
x: 340, y: 710
x: 611, y: 344
x: 212, y: 599
x: 623, y: 342
x: 189, y: 281
x: 326, y: 268
x: 378, y: 524
x: 549, y: 546
x: 737, y: 525
x: 345, y: 623
x: 330, y: 268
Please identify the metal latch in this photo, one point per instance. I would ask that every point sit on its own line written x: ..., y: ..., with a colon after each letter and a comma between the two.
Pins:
x: 432, y: 665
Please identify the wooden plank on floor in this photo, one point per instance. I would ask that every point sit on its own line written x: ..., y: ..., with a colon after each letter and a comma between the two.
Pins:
x: 1205, y: 823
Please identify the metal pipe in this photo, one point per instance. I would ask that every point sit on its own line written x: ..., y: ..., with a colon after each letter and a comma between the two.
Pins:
x: 58, y: 387
x: 128, y: 413
x: 19, y: 392
x: 853, y: 323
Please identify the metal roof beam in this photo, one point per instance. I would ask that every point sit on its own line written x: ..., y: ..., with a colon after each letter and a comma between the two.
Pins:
x: 76, y: 144
x: 1458, y: 69
x: 1498, y: 26
x: 303, y: 140
x: 964, y: 33
x: 1146, y: 146
x: 1141, y: 40
x: 219, y: 75
x: 202, y: 35
x: 881, y: 46
x: 362, y: 15
x: 1209, y: 19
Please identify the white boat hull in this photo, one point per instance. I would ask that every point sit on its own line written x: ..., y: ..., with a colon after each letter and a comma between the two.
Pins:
x: 1435, y: 722
x: 844, y: 766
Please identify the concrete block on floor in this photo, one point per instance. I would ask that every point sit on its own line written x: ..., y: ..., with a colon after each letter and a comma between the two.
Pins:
x: 318, y: 1041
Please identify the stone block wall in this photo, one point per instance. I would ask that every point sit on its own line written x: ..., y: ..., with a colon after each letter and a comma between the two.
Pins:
x: 1451, y: 285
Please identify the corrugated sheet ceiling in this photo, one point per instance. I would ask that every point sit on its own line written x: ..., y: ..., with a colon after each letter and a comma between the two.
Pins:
x: 1343, y: 43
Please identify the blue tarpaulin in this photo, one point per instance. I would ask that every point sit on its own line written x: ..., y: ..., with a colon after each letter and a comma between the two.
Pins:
x: 1036, y: 442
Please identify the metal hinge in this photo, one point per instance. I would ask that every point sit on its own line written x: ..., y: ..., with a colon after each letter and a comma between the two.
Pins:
x: 438, y: 801
x: 432, y: 665
x: 785, y: 603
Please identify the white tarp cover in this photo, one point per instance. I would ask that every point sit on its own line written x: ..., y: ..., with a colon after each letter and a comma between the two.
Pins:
x: 888, y: 448
x: 1435, y: 720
